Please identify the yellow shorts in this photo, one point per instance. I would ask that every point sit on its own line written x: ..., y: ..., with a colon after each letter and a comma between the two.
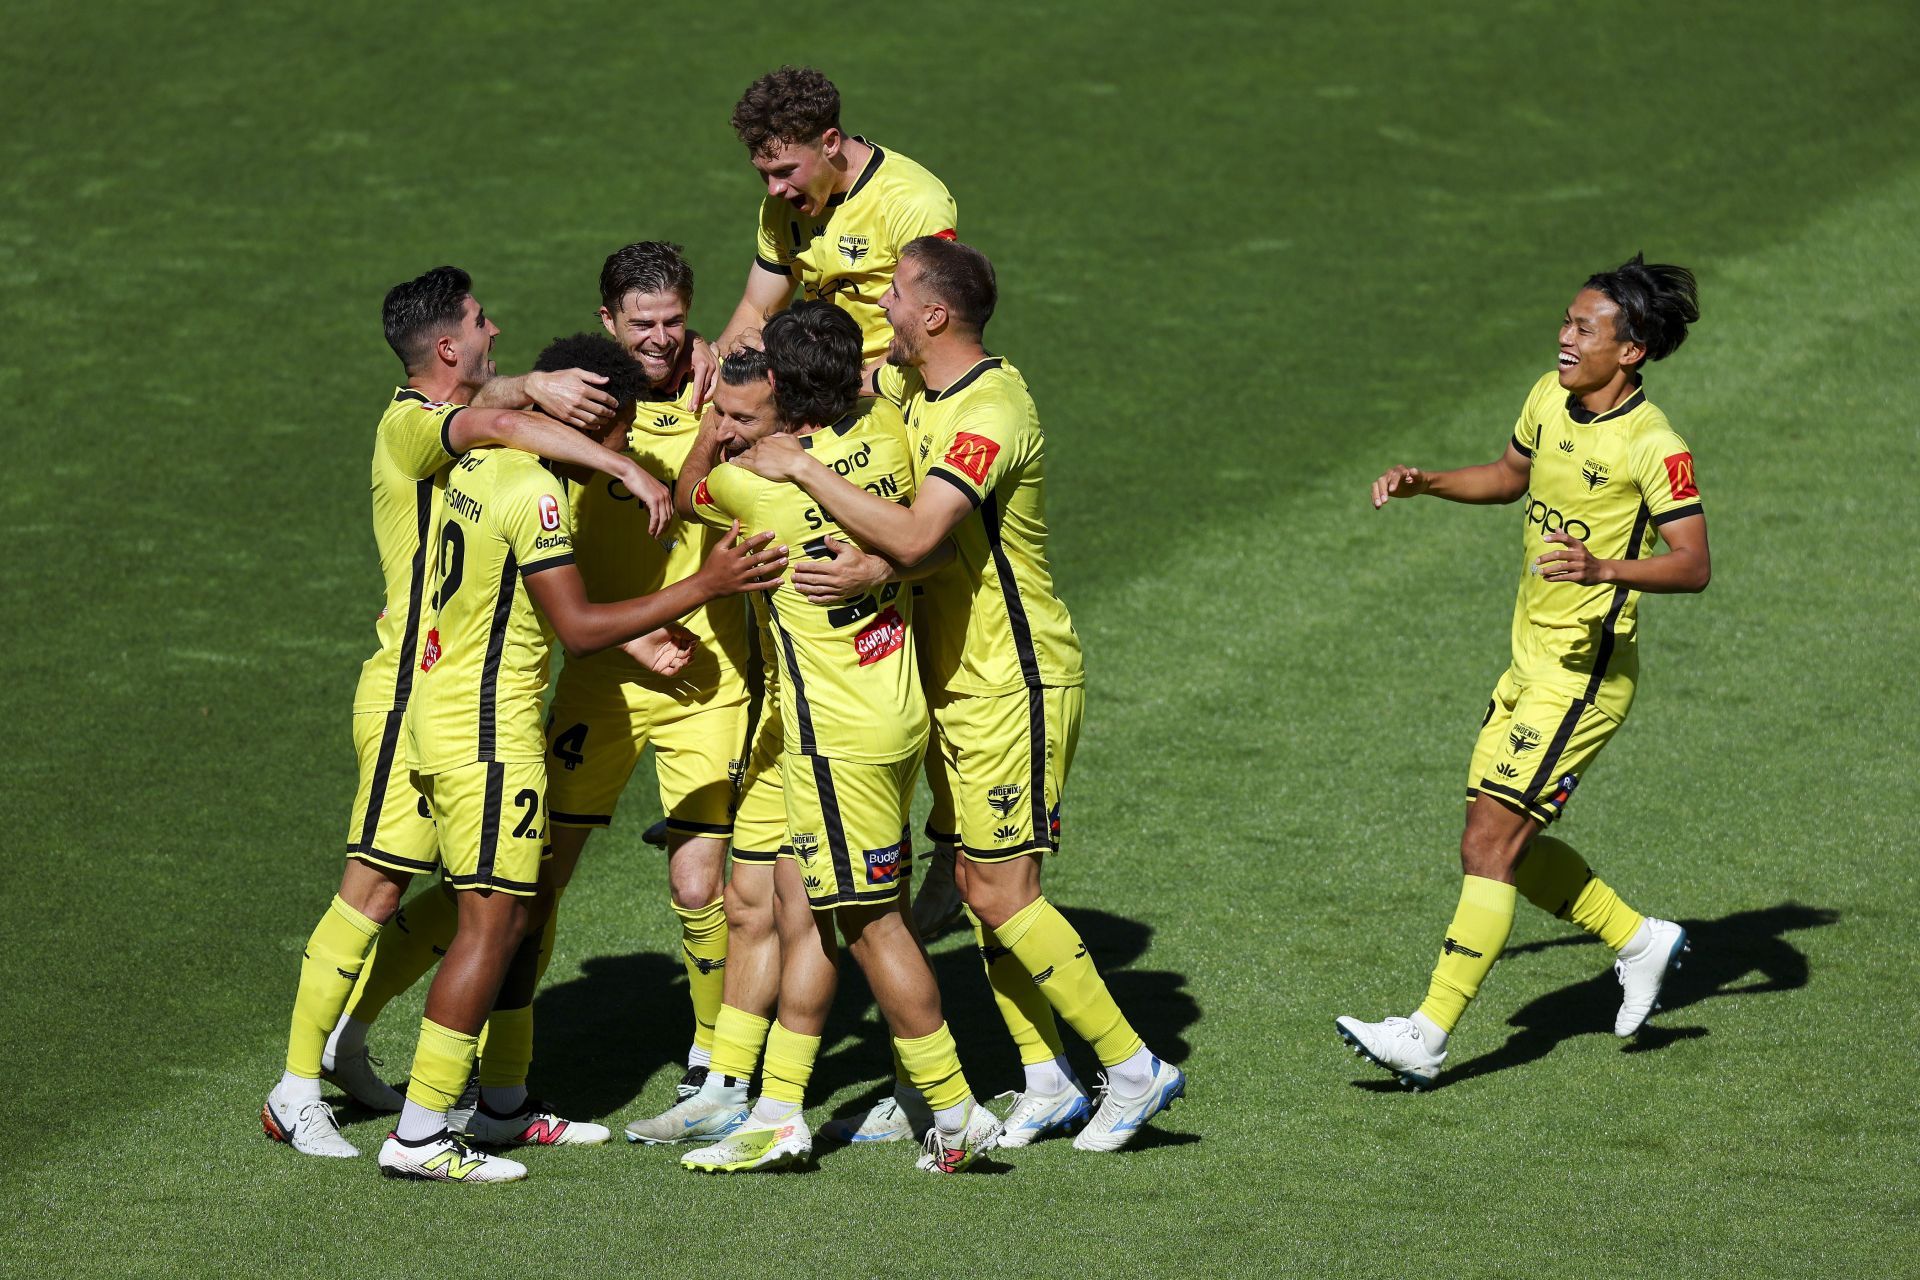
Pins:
x: 492, y: 824
x: 597, y: 729
x: 760, y: 816
x: 997, y: 767
x: 391, y: 826
x: 1534, y: 745
x: 847, y: 828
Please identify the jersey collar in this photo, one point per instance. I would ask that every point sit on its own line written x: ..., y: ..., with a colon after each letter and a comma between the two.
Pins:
x: 866, y: 174
x: 840, y: 428
x: 966, y: 379
x: 1586, y: 417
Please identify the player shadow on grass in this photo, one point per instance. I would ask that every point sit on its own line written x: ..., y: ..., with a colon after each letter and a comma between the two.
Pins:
x: 1156, y: 1002
x: 599, y: 1037
x: 1742, y: 954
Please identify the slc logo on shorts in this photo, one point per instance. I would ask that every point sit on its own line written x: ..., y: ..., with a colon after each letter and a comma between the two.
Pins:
x: 805, y: 845
x: 1002, y: 799
x: 883, y: 865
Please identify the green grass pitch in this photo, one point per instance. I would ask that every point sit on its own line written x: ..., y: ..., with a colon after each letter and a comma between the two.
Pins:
x: 1250, y: 255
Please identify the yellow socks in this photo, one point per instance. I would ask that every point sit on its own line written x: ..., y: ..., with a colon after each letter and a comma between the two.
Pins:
x: 738, y: 1038
x: 505, y: 1047
x: 1023, y: 1006
x: 703, y: 945
x: 788, y: 1067
x: 410, y: 944
x: 441, y: 1066
x: 1051, y: 951
x: 1556, y: 879
x: 335, y: 953
x: 932, y: 1065
x: 1479, y: 931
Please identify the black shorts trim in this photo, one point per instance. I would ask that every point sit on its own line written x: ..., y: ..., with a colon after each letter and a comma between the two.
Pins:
x: 700, y: 828
x: 1550, y: 761
x: 758, y: 857
x: 941, y: 837
x: 581, y: 819
x: 1513, y: 800
x: 492, y: 882
x: 877, y: 897
x: 382, y: 770
x: 367, y: 852
x: 1012, y: 851
x: 830, y: 817
x: 489, y: 825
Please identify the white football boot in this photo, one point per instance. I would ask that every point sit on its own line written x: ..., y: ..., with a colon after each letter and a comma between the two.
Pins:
x: 1118, y: 1119
x: 1396, y: 1044
x: 445, y: 1158
x: 308, y: 1127
x: 980, y: 1135
x: 1655, y: 948
x: 899, y: 1116
x: 533, y: 1125
x: 696, y: 1117
x: 755, y: 1145
x: 1034, y: 1115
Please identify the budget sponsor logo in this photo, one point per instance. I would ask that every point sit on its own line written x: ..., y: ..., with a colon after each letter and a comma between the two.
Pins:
x: 883, y: 865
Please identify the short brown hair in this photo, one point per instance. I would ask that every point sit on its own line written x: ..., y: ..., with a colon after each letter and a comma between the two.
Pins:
x: 957, y: 274
x: 793, y: 104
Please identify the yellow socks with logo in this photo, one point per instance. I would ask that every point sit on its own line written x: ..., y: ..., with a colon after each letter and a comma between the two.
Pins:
x: 1023, y: 1006
x: 738, y: 1038
x: 1479, y: 931
x: 932, y: 1065
x: 335, y: 954
x: 703, y: 946
x: 410, y: 944
x: 1052, y: 952
x: 1556, y: 879
x: 788, y: 1067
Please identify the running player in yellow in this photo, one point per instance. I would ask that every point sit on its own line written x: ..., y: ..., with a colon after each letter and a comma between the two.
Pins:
x: 1603, y: 475
x: 855, y: 728
x: 444, y: 339
x: 837, y: 212
x: 1004, y: 673
x: 504, y: 586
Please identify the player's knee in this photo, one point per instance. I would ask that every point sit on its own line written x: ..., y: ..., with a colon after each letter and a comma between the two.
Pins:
x: 374, y: 892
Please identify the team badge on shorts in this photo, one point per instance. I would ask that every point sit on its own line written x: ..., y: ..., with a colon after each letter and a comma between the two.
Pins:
x: 1002, y: 799
x: 805, y: 845
x: 1523, y: 738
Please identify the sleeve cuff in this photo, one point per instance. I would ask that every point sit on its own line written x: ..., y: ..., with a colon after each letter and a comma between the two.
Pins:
x: 973, y: 494
x: 446, y: 432
x: 1524, y: 451
x: 541, y: 566
x: 774, y: 267
x: 1678, y: 513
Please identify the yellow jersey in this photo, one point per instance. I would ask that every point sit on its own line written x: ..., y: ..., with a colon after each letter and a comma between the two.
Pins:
x: 619, y: 560
x: 849, y: 684
x: 409, y: 448
x: 993, y: 624
x: 483, y: 665
x: 848, y: 253
x: 1609, y: 480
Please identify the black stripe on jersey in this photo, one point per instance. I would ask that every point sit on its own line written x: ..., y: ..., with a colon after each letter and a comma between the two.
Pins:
x: 408, y: 393
x: 774, y: 267
x: 965, y: 380
x: 416, y: 588
x: 1010, y: 593
x: 830, y: 817
x: 496, y: 644
x: 1550, y: 759
x: 800, y: 707
x: 1620, y: 593
x: 1586, y: 417
x: 446, y: 432
x: 1037, y: 760
x: 383, y: 767
x: 1678, y: 513
x: 973, y: 495
x: 541, y: 566
x: 1520, y: 448
x: 490, y: 822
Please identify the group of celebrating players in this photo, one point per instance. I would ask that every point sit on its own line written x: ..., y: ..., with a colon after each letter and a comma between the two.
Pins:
x: 854, y: 463
x: 857, y: 465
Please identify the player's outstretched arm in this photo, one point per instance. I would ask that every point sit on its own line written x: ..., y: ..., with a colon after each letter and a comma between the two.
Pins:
x: 586, y: 628
x: 765, y: 296
x: 543, y: 437
x: 1503, y: 480
x: 572, y: 396
x: 1684, y: 567
x: 849, y: 571
x: 709, y: 443
x: 904, y: 534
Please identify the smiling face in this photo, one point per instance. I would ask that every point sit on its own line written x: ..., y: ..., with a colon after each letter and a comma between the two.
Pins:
x: 802, y: 173
x: 472, y: 344
x: 908, y: 311
x: 1590, y: 355
x: 653, y: 329
x: 747, y: 413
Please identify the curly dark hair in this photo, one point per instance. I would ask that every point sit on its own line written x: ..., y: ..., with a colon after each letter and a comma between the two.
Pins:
x: 793, y: 104
x: 597, y: 353
x: 814, y: 350
x: 421, y: 309
x: 1657, y: 302
x: 957, y: 274
x: 647, y: 266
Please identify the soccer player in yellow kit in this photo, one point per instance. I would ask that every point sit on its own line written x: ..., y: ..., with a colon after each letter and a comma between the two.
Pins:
x: 1603, y: 475
x: 837, y: 212
x: 444, y: 339
x: 855, y: 728
x: 1004, y: 677
x: 504, y: 586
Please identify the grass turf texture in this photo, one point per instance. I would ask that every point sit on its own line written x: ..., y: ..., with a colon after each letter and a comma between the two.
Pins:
x: 1248, y: 259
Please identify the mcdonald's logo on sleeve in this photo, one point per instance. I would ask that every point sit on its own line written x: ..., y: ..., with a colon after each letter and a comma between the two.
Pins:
x: 973, y: 455
x: 1680, y: 476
